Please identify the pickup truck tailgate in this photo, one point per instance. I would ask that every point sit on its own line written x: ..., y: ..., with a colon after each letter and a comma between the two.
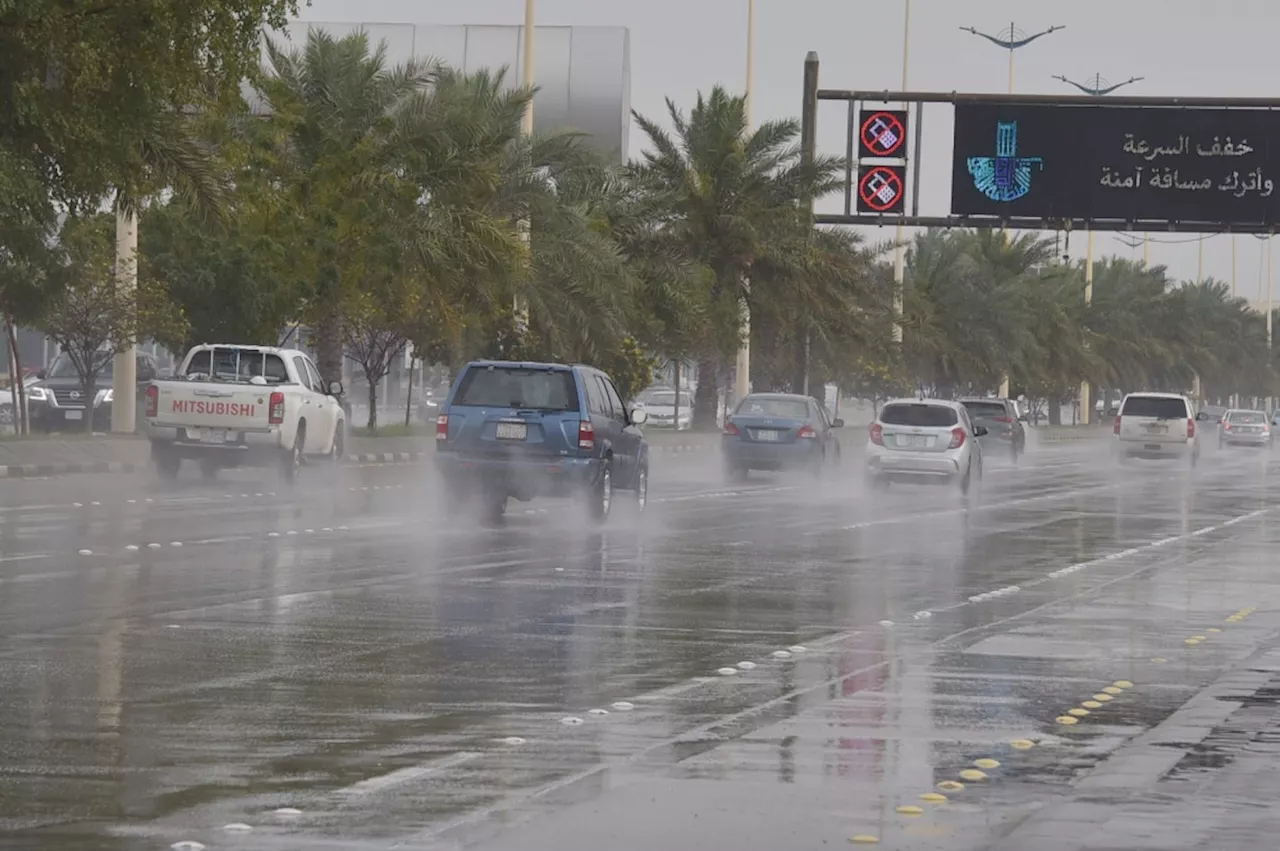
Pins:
x: 214, y: 406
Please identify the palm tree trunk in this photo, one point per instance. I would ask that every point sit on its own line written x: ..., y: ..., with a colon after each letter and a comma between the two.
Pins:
x: 1055, y: 410
x: 328, y: 346
x: 706, y: 397
x: 373, y: 406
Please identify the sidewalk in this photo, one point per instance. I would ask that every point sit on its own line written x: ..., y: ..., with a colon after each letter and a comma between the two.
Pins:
x: 1207, y: 779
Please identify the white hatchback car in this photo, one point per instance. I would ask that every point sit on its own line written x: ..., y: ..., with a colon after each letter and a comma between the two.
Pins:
x: 1157, y: 425
x: 924, y: 440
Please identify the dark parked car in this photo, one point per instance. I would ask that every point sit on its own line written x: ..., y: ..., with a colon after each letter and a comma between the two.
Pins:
x: 779, y: 431
x: 65, y: 406
x: 1002, y: 421
x: 523, y: 430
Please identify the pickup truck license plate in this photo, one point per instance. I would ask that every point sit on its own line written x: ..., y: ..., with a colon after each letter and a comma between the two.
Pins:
x: 512, y: 431
x: 213, y: 435
x: 767, y: 435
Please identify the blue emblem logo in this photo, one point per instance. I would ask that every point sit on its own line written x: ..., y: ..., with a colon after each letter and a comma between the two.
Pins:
x: 1006, y: 176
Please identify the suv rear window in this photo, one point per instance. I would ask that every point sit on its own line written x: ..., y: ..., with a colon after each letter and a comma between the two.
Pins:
x: 986, y: 409
x: 1157, y: 407
x: 920, y: 416
x: 518, y: 387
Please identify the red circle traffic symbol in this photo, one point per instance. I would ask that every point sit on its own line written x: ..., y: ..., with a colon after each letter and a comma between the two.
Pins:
x: 883, y: 133
x: 880, y: 188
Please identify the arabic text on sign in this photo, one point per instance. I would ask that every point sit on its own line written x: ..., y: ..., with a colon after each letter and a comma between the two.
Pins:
x: 1167, y: 178
x: 1184, y: 145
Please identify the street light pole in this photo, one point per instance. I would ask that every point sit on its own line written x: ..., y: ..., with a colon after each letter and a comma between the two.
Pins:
x: 526, y: 127
x: 742, y: 372
x: 1010, y: 40
x: 900, y: 247
x: 1099, y: 88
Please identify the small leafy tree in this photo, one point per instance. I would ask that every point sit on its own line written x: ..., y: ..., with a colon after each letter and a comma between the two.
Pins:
x: 377, y: 328
x: 90, y: 318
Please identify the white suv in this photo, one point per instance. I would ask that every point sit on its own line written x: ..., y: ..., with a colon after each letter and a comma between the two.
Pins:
x: 924, y: 440
x: 1157, y: 425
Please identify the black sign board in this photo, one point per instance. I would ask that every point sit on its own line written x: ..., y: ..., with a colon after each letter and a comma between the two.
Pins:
x: 882, y: 134
x: 881, y: 188
x: 1217, y: 166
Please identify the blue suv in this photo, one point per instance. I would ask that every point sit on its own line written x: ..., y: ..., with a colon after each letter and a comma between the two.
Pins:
x: 516, y: 429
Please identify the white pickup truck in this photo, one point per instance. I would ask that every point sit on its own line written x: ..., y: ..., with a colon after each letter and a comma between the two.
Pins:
x: 230, y: 404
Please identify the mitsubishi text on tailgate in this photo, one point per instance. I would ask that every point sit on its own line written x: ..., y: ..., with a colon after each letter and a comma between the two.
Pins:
x: 231, y: 404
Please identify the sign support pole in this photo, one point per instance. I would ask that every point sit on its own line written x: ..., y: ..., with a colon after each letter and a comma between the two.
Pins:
x: 1086, y: 403
x: 899, y: 240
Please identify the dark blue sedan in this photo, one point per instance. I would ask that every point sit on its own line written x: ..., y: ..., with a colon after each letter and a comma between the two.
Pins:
x: 779, y: 431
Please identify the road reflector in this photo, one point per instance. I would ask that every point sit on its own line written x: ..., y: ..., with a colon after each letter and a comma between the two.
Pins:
x: 910, y: 810
x: 1077, y: 711
x: 951, y: 786
x: 1066, y: 720
x: 1091, y: 704
x: 933, y: 798
x: 1113, y: 690
x: 1122, y: 684
x: 1023, y: 744
x: 1192, y: 641
x: 1105, y: 698
x: 986, y: 763
x: 972, y: 774
x: 1213, y: 629
x: 1159, y: 660
x: 864, y: 839
x: 1199, y: 637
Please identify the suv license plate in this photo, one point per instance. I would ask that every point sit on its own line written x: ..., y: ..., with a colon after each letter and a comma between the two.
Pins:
x: 512, y: 431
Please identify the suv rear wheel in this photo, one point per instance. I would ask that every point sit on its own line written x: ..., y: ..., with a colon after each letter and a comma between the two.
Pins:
x: 600, y: 498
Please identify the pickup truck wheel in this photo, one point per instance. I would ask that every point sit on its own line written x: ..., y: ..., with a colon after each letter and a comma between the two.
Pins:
x: 493, y: 507
x: 292, y: 459
x: 167, y: 462
x: 209, y: 469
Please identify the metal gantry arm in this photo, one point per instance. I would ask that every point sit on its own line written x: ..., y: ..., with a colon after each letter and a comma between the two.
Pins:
x: 1016, y: 37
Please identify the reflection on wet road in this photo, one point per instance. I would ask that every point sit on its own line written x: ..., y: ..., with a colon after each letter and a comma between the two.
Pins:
x: 775, y: 664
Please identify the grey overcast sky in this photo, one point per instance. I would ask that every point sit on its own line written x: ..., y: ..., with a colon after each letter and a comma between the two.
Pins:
x: 1181, y: 47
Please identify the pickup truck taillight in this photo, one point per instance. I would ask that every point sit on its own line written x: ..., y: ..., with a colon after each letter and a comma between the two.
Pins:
x: 153, y: 400
x: 275, y: 409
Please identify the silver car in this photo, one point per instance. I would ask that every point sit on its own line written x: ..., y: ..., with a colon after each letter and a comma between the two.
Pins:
x: 1244, y: 428
x: 924, y: 440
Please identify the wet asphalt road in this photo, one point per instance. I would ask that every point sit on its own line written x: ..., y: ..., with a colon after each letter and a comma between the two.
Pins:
x: 771, y: 665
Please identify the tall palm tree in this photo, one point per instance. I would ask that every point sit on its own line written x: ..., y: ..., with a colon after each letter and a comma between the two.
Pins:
x: 722, y: 190
x: 337, y: 102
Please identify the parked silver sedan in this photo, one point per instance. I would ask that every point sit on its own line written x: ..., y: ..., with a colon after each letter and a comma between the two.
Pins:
x: 1244, y: 428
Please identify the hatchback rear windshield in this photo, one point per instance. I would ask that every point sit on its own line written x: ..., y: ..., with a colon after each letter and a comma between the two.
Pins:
x: 791, y: 409
x: 986, y: 409
x: 1159, y: 407
x: 518, y: 387
x: 920, y: 416
x: 1246, y: 417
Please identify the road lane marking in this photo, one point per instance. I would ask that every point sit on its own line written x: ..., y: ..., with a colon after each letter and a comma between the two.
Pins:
x: 384, y: 782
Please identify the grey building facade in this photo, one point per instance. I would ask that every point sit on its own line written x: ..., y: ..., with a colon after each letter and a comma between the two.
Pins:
x: 583, y: 74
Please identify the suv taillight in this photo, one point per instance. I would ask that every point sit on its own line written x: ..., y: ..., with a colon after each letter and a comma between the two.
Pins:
x: 1003, y: 419
x: 806, y: 433
x: 731, y: 430
x: 877, y: 434
x: 275, y: 408
x: 442, y: 427
x: 957, y: 437
x: 586, y: 435
x: 153, y: 400
x: 1191, y: 428
x: 1116, y: 428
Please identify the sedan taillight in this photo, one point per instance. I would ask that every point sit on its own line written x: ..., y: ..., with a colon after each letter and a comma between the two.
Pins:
x: 731, y: 430
x: 806, y: 433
